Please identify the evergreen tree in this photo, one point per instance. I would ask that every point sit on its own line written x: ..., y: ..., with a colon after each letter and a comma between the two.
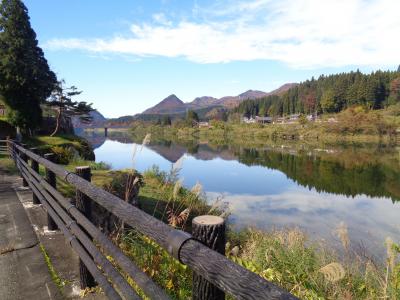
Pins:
x: 398, y: 68
x: 331, y: 93
x: 192, y: 118
x: 166, y: 121
x: 25, y: 77
x: 61, y: 101
x: 328, y: 101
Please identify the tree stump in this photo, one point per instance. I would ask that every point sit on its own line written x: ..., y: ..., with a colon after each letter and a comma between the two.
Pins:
x: 210, y: 230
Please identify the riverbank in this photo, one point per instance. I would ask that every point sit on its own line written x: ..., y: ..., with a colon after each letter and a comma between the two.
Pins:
x: 309, y: 269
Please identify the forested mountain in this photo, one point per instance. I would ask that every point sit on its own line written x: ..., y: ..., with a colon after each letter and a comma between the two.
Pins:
x: 331, y: 93
x: 173, y: 105
x: 203, y: 101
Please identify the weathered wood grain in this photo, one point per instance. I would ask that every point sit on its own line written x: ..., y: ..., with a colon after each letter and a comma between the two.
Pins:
x: 51, y: 179
x: 35, y: 167
x: 84, y: 205
x: 210, y: 230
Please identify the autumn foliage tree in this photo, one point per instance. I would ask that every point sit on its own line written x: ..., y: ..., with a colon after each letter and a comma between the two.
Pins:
x: 310, y: 102
x: 394, y: 96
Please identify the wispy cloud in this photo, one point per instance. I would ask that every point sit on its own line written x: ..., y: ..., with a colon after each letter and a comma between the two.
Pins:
x: 301, y: 33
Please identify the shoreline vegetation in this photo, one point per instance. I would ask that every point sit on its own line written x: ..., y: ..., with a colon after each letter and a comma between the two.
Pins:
x: 354, y: 125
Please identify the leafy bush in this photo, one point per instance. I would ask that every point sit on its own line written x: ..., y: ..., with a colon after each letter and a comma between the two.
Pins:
x: 63, y: 154
x: 358, y: 120
x: 120, y: 185
x: 155, y: 172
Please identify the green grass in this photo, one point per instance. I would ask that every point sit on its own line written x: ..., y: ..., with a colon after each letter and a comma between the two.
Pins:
x: 166, y: 271
x: 66, y: 147
x: 55, y: 140
x: 46, y: 142
x: 7, y: 165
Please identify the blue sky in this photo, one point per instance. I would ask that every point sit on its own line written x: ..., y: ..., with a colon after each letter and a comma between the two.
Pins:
x: 128, y: 55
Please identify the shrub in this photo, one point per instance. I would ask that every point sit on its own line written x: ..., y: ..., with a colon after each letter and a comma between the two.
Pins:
x: 358, y: 120
x: 63, y: 154
x: 125, y: 185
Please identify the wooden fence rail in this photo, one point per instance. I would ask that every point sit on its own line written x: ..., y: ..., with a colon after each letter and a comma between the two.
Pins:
x: 93, y: 246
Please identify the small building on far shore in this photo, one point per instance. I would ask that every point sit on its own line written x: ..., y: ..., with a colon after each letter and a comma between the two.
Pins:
x: 257, y: 119
x: 263, y: 120
x: 204, y: 124
x: 247, y: 120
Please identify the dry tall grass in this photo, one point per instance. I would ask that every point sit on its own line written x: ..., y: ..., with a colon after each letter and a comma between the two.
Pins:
x: 313, y: 270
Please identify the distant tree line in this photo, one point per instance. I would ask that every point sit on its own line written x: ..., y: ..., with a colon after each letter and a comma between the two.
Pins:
x: 329, y: 94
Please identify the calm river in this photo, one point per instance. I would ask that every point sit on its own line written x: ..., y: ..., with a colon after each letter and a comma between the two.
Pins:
x: 275, y: 186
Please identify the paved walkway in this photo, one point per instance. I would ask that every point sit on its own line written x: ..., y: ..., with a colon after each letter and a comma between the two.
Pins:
x: 23, y: 271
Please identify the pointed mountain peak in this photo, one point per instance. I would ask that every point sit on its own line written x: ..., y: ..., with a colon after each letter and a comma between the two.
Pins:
x: 168, y: 105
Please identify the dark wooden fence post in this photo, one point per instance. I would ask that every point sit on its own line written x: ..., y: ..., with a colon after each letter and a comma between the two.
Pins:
x: 14, y: 151
x: 25, y: 159
x: 84, y: 204
x: 35, y: 167
x: 10, y: 147
x: 210, y: 230
x: 51, y: 179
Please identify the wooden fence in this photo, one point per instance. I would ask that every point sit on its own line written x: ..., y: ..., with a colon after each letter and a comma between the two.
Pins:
x: 213, y: 273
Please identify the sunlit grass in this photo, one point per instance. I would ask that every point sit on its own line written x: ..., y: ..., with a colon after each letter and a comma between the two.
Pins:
x: 7, y: 165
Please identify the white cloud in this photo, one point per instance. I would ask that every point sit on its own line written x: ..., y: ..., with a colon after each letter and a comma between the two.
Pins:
x: 161, y: 19
x: 302, y: 33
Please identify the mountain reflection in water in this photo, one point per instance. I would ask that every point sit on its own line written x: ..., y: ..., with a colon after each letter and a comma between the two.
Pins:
x: 282, y: 185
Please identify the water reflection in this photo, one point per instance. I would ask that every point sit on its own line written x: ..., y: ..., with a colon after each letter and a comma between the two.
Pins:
x: 284, y: 185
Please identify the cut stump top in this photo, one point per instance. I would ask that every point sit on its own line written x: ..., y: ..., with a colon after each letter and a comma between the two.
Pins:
x: 208, y: 220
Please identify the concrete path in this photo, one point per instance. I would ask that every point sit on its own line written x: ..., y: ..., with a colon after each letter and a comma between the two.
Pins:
x: 23, y: 271
x: 63, y: 259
